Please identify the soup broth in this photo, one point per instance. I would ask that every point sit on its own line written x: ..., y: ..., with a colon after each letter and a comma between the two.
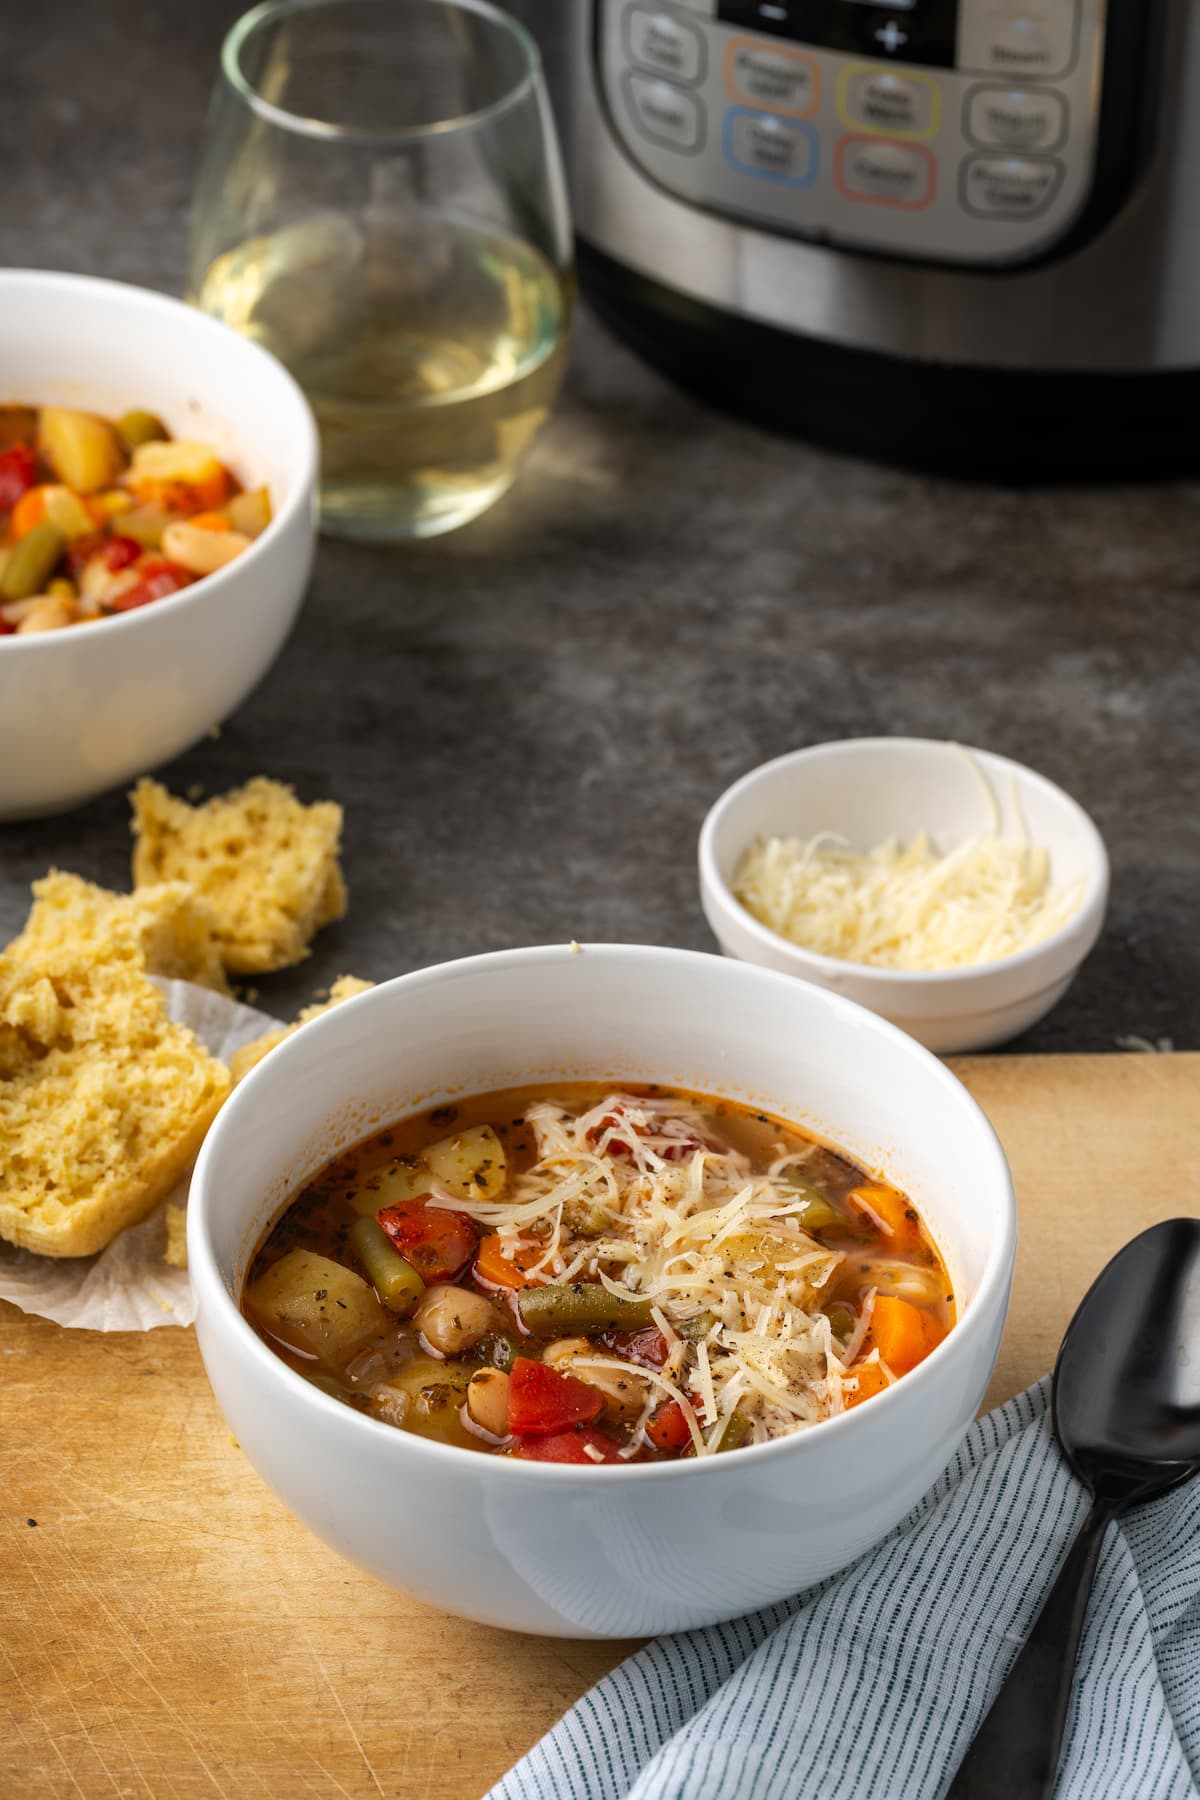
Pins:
x: 597, y: 1273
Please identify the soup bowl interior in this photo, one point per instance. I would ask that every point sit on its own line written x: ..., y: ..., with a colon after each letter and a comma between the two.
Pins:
x: 614, y: 1551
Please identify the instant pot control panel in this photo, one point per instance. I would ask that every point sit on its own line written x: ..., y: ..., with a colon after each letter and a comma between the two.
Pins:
x: 952, y: 131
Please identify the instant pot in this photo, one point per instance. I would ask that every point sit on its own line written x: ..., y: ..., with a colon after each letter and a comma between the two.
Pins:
x: 963, y: 234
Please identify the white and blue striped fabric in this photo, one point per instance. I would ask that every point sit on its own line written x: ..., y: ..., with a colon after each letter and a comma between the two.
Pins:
x: 870, y: 1686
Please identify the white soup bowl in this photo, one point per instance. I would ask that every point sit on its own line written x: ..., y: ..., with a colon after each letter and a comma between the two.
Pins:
x: 86, y: 708
x: 614, y: 1551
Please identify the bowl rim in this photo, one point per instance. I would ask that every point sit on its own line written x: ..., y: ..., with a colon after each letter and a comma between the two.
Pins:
x: 301, y: 499
x: 241, y: 1336
x: 1079, y: 932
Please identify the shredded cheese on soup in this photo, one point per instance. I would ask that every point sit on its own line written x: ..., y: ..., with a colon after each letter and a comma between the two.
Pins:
x: 641, y: 1199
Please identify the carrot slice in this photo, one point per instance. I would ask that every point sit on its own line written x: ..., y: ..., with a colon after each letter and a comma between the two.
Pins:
x: 893, y: 1210
x: 903, y: 1334
x: 210, y: 521
x: 29, y: 511
x: 498, y: 1267
x: 871, y: 1380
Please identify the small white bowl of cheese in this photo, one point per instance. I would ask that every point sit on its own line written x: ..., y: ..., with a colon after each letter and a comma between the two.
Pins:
x: 951, y: 890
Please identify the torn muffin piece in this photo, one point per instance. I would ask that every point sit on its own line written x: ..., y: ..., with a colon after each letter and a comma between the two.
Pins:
x: 172, y: 926
x: 265, y: 863
x: 104, y: 1101
x: 247, y: 1058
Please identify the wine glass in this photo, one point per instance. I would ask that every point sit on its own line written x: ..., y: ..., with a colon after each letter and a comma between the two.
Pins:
x: 381, y: 204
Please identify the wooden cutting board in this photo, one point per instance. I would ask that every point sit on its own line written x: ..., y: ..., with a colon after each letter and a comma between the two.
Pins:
x: 167, y: 1630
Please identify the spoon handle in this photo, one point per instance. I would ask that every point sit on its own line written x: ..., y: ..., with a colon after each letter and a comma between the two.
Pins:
x: 1014, y: 1754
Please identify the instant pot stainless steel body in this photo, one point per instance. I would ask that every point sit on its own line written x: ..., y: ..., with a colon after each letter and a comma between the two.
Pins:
x: 963, y: 233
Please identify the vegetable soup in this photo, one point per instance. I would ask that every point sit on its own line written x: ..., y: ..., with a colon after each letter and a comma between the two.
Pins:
x: 101, y: 516
x: 587, y: 1273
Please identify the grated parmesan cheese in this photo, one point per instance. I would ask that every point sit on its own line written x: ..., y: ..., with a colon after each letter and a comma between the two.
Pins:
x: 634, y: 1193
x: 905, y: 906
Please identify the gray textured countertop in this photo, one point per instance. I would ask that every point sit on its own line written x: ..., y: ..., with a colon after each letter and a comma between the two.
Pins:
x: 527, y: 721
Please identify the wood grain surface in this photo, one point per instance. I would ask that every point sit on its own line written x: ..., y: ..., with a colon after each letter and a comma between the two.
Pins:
x: 168, y: 1631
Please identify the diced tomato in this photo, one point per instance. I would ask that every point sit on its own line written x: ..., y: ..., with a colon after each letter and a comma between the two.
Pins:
x: 542, y: 1400
x: 668, y: 1429
x: 18, y: 473
x: 158, y: 578
x: 115, y: 552
x: 437, y: 1242
x: 118, y: 552
x: 681, y: 1150
x: 610, y: 1122
x: 6, y: 630
x: 568, y: 1447
x: 648, y: 1347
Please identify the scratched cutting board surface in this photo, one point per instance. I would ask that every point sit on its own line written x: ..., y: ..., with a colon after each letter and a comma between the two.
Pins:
x: 168, y: 1631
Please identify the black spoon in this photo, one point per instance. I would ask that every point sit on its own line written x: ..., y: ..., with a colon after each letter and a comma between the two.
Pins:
x: 1126, y: 1414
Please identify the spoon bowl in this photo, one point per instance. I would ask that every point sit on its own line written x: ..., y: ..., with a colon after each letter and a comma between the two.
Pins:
x: 1127, y: 1381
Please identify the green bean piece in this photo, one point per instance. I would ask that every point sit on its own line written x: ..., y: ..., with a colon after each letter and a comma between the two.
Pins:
x: 582, y: 1307
x: 592, y: 1221
x: 394, y: 1280
x: 140, y: 427
x: 819, y: 1213
x: 30, y: 562
x: 692, y: 1330
x: 738, y: 1429
x: 842, y: 1320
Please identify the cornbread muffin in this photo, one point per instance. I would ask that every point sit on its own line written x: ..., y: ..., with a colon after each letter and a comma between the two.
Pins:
x: 103, y: 1100
x: 266, y: 864
x: 245, y: 1059
x: 172, y: 926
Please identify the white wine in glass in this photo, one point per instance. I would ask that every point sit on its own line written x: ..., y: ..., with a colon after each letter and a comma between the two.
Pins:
x: 415, y: 276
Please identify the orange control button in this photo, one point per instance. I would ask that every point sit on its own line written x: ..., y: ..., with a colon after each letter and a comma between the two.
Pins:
x: 778, y: 80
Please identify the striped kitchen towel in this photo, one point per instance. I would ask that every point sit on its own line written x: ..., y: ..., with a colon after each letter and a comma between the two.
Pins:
x: 869, y: 1686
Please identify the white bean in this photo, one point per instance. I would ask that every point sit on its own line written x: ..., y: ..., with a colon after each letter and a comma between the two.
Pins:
x: 451, y: 1319
x: 563, y: 1349
x: 200, y: 549
x: 487, y: 1401
x: 624, y: 1389
x: 47, y: 612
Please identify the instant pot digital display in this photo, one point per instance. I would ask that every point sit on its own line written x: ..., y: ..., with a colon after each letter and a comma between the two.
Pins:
x: 920, y: 31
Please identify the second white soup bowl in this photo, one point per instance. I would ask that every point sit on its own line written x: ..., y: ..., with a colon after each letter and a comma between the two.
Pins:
x: 604, y: 1552
x: 85, y: 709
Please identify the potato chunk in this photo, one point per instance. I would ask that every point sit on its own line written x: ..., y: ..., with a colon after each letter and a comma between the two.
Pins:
x: 426, y: 1396
x: 470, y: 1165
x: 316, y: 1304
x: 180, y: 476
x: 84, y: 450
